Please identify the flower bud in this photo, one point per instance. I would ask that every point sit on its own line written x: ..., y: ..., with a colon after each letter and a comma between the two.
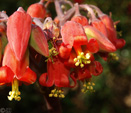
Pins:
x: 37, y: 10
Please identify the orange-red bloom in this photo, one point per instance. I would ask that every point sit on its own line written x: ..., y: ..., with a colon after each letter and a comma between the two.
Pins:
x: 18, y: 32
x: 14, y: 70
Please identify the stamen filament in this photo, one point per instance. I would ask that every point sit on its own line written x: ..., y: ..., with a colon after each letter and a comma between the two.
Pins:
x: 15, y: 91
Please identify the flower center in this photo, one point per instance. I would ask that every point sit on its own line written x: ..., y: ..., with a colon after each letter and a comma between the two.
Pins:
x: 82, y: 59
x: 15, y: 91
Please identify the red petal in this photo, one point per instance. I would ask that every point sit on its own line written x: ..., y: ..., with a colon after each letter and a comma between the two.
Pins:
x: 6, y: 75
x: 64, y: 51
x: 18, y: 32
x: 60, y: 73
x: 107, y: 21
x: 18, y: 67
x: 73, y: 34
x: 120, y: 43
x: 104, y: 43
x: 93, y: 46
x: 98, y: 24
x: 96, y: 68
x: 44, y: 82
x: 81, y: 20
x: 29, y: 76
x: 83, y: 73
x: 38, y: 41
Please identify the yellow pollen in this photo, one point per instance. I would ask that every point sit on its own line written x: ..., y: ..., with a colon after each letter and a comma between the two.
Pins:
x: 55, y: 95
x: 82, y: 59
x: 57, y: 92
x: 88, y: 56
x: 14, y: 94
x: 81, y: 65
x: 77, y: 64
x: 88, y: 86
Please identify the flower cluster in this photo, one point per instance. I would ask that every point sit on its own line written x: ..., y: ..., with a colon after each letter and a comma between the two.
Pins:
x: 69, y: 42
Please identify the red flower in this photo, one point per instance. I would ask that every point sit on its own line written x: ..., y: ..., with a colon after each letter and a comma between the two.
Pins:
x: 14, y: 71
x: 57, y: 74
x: 77, y: 51
x: 112, y: 34
x: 75, y: 45
x: 18, y: 32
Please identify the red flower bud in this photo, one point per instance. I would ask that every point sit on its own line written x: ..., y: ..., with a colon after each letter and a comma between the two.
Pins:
x: 37, y: 10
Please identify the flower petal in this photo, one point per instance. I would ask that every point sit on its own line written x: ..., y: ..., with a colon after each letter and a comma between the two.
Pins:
x: 38, y: 41
x: 93, y: 46
x: 29, y: 76
x: 73, y: 34
x: 18, y: 32
x: 96, y: 68
x: 18, y: 67
x: 6, y: 75
x: 80, y: 19
x: 64, y: 51
x: 104, y: 43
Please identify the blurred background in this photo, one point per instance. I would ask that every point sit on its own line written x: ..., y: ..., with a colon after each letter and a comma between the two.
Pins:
x: 113, y: 86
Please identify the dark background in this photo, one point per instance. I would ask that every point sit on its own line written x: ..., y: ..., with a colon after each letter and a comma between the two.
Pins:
x: 113, y: 86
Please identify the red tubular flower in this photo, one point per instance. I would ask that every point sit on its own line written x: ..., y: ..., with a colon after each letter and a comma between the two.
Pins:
x: 104, y: 44
x: 37, y: 10
x: 112, y: 34
x: 57, y: 74
x: 18, y: 32
x: 76, y: 48
x: 14, y: 71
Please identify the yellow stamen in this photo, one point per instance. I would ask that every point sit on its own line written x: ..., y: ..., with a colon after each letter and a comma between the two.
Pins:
x: 57, y: 93
x: 82, y: 59
x: 113, y: 56
x: 15, y: 91
x: 88, y: 86
x: 88, y: 56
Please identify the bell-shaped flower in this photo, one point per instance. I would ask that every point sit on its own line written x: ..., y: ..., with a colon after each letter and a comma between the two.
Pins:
x: 18, y: 32
x: 104, y: 43
x: 58, y: 75
x: 13, y: 71
x: 112, y: 34
x: 37, y: 10
x: 76, y: 48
